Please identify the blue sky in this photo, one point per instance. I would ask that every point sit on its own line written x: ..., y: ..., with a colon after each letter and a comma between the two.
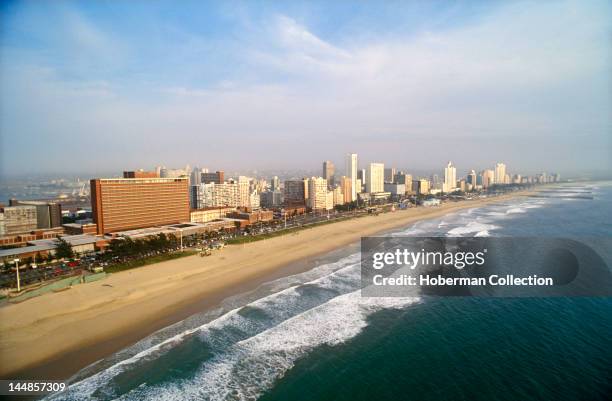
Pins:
x: 88, y: 85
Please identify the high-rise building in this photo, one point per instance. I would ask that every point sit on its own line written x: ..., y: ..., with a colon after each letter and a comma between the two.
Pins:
x: 215, y: 195
x: 471, y: 178
x: 195, y: 178
x: 244, y: 188
x: 500, y: 173
x: 271, y: 199
x: 296, y: 192
x: 420, y: 186
x: 120, y: 204
x: 405, y: 179
x: 347, y: 190
x: 329, y: 200
x: 338, y: 196
x: 17, y: 219
x: 450, y: 178
x: 218, y: 177
x: 375, y: 178
x: 351, y: 173
x: 254, y: 202
x: 328, y: 172
x: 317, y: 193
x: 488, y: 178
x: 390, y: 174
x: 275, y: 183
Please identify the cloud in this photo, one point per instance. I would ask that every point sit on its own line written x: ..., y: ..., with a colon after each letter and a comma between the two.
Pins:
x: 526, y: 83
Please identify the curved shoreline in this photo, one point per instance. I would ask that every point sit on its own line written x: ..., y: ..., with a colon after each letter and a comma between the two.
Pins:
x: 55, y: 335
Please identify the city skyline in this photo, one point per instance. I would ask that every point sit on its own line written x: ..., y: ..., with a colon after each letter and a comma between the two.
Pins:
x: 411, y: 85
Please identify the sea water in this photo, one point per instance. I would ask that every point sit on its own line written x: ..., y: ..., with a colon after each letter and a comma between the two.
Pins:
x: 312, y: 335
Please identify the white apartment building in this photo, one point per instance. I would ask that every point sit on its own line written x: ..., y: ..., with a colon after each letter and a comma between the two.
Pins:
x: 375, y: 178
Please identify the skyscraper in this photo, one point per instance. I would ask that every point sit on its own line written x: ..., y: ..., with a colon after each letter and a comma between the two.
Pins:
x: 317, y: 193
x: 296, y: 192
x: 346, y: 185
x: 500, y: 173
x: 351, y: 173
x: 328, y: 172
x: 275, y: 183
x: 375, y: 178
x: 450, y: 178
x: 390, y: 174
x: 195, y: 178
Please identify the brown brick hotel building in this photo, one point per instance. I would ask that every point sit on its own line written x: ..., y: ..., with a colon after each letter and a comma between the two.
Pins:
x: 120, y: 204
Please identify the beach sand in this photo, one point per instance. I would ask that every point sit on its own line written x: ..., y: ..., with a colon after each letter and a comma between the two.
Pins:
x: 55, y: 335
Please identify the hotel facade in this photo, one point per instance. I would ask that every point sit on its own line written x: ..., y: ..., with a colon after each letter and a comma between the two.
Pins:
x: 120, y: 204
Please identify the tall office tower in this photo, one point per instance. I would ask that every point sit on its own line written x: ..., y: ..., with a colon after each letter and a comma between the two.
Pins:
x: 123, y: 204
x: 275, y: 183
x: 420, y: 186
x: 347, y: 190
x: 436, y: 183
x: 375, y: 178
x: 405, y: 179
x: 295, y: 192
x: 390, y: 174
x: 328, y: 172
x: 500, y: 173
x: 317, y: 193
x: 351, y: 173
x: 195, y: 178
x: 471, y: 178
x: 450, y: 178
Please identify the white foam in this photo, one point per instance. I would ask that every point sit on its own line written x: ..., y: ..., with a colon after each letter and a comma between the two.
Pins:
x: 471, y: 227
x: 252, y: 366
x: 516, y: 210
x: 281, y: 305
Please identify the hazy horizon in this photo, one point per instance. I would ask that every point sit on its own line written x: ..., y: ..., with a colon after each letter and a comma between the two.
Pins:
x: 108, y: 86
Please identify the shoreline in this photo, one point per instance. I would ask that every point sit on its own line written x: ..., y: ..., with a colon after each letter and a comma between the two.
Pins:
x: 56, y: 335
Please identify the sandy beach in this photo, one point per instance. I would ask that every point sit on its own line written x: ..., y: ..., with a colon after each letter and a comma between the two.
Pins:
x: 55, y: 335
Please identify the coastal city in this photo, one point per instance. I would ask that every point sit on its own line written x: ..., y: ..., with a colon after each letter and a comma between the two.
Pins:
x: 144, y: 217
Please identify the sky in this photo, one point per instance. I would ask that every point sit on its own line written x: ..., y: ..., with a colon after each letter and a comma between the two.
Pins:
x: 90, y: 86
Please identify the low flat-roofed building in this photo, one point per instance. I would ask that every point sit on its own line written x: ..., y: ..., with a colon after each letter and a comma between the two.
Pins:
x: 80, y: 228
x: 184, y: 229
x: 395, y: 188
x: 210, y: 213
x: 23, y: 238
x: 252, y: 217
x: 80, y: 244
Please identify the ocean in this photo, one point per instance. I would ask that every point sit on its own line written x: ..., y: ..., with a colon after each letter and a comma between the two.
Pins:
x: 312, y: 336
